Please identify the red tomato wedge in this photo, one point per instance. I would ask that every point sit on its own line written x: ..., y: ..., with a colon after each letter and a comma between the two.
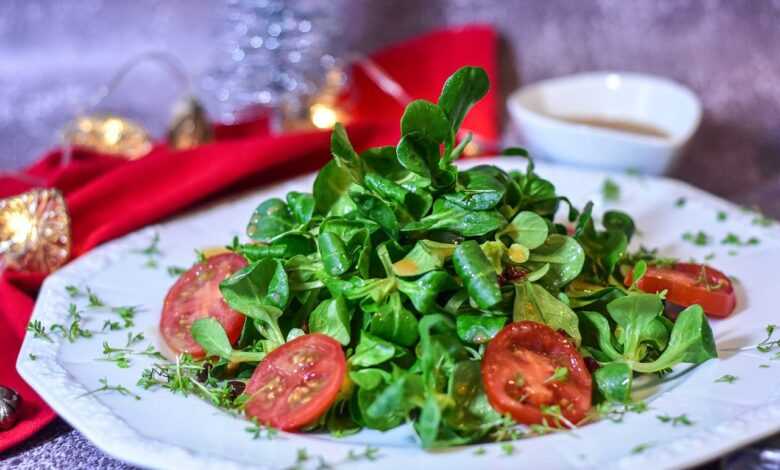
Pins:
x: 518, y: 369
x: 196, y: 295
x: 296, y: 383
x: 689, y: 283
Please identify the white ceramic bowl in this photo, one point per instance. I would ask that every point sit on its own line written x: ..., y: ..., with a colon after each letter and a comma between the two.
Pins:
x: 540, y: 111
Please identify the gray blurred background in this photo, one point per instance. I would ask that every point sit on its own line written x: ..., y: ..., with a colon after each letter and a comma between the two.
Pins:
x: 55, y: 54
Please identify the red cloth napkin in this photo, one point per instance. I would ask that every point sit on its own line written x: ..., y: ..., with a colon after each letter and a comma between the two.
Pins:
x: 108, y: 197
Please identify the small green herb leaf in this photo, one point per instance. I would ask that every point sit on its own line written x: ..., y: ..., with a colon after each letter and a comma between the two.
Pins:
x: 699, y: 238
x: 681, y: 420
x: 610, y: 190
x: 728, y: 378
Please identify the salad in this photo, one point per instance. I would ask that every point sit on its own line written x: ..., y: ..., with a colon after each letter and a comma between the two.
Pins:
x: 476, y: 305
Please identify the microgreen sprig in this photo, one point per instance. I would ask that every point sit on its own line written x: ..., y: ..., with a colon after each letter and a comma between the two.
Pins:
x: 106, y: 387
x: 699, y: 238
x: 616, y: 412
x: 768, y: 344
x: 257, y: 431
x: 153, y: 248
x: 610, y: 190
x: 94, y: 300
x: 728, y: 378
x: 638, y: 449
x: 74, y: 330
x: 133, y: 339
x: 151, y: 252
x: 734, y: 239
x: 38, y: 330
x: 506, y: 430
x: 187, y: 376
x: 681, y: 420
x: 369, y: 453
x: 73, y: 291
x: 127, y: 314
x: 508, y: 448
x: 175, y: 271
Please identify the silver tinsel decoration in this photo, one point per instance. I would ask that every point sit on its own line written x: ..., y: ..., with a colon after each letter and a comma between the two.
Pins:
x: 274, y: 55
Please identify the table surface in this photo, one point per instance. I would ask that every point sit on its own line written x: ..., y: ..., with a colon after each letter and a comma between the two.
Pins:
x: 725, y: 50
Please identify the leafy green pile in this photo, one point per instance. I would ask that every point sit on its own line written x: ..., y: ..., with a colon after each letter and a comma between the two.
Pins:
x: 414, y: 266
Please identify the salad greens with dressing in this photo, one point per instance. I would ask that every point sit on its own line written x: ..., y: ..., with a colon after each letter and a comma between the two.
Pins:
x: 413, y: 267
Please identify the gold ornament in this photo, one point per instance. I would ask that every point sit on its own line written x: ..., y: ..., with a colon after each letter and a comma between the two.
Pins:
x: 34, y: 231
x: 190, y: 126
x: 321, y: 111
x: 324, y: 111
x: 109, y: 134
x: 324, y: 115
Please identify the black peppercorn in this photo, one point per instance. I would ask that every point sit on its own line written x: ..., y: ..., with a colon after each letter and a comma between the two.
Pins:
x: 236, y: 388
x: 204, y: 373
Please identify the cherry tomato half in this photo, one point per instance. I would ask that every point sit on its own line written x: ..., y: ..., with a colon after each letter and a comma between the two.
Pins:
x: 519, y: 374
x: 689, y: 283
x: 297, y: 382
x: 196, y: 295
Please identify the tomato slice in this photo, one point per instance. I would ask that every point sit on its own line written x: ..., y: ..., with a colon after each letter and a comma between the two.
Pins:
x: 690, y: 283
x: 297, y: 382
x: 196, y: 295
x: 518, y: 374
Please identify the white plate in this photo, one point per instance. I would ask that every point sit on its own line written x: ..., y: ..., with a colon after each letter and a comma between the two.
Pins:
x: 163, y: 430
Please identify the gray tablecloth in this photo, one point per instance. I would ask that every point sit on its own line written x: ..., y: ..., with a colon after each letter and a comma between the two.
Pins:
x: 54, y: 54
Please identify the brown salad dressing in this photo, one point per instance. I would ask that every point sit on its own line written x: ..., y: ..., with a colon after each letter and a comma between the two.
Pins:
x: 621, y: 125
